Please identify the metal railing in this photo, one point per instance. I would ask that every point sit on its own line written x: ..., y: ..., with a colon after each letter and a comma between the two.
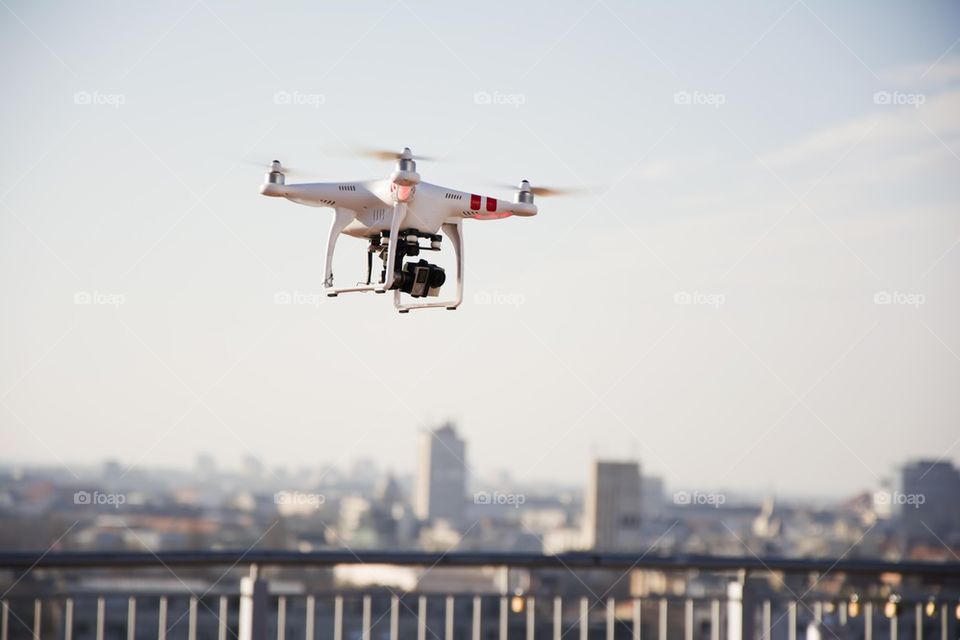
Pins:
x: 43, y: 600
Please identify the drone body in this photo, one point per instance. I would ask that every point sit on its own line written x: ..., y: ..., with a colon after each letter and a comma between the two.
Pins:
x: 395, y: 215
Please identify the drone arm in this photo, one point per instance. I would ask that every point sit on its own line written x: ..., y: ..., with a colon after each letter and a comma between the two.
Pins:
x: 340, y: 222
x: 486, y: 208
x: 322, y: 194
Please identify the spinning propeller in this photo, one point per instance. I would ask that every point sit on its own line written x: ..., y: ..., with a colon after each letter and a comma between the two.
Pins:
x: 544, y: 192
x: 276, y: 166
x: 364, y: 152
x: 388, y: 154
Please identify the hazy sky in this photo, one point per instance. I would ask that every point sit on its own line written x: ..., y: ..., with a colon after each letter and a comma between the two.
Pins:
x: 742, y: 154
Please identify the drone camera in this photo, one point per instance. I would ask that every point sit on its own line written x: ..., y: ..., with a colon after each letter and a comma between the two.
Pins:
x: 421, y: 279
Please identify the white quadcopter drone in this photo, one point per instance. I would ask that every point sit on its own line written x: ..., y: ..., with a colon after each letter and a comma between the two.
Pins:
x: 395, y: 215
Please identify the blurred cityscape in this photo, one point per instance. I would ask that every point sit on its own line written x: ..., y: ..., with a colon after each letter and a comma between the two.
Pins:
x: 616, y: 507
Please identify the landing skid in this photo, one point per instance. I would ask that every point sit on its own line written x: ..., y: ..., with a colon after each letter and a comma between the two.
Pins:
x: 453, y: 230
x: 333, y: 292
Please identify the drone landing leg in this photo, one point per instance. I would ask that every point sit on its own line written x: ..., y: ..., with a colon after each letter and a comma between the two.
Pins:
x: 340, y: 221
x: 454, y: 231
x: 399, y: 213
x: 339, y: 224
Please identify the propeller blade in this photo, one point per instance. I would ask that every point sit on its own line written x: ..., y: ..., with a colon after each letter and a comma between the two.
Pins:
x: 387, y: 154
x: 549, y: 192
x: 266, y: 166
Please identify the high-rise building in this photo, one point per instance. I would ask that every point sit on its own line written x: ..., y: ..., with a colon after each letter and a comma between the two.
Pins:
x: 612, y: 506
x: 927, y: 500
x: 651, y: 501
x: 441, y: 476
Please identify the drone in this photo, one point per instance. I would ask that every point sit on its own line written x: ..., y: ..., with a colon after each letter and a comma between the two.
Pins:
x: 400, y: 217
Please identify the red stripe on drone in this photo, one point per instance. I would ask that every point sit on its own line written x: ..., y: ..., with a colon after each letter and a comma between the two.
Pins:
x: 491, y: 204
x: 474, y: 201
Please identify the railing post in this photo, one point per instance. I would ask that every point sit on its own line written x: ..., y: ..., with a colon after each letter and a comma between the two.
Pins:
x: 584, y: 618
x: 68, y: 620
x: 662, y: 619
x: 132, y: 618
x: 162, y: 619
x: 918, y: 621
x: 221, y: 620
x: 365, y: 624
x: 531, y: 618
x: 948, y: 621
x: 448, y: 619
x: 101, y: 616
x: 635, y: 627
x: 192, y: 620
x: 740, y: 609
x: 422, y: 618
x: 792, y: 620
x: 477, y: 604
x: 311, y: 616
x: 37, y: 617
x: 394, y: 618
x: 767, y: 631
x: 611, y: 617
x: 503, y: 618
x: 557, y: 618
x: 338, y: 618
x: 253, y: 606
x: 715, y: 620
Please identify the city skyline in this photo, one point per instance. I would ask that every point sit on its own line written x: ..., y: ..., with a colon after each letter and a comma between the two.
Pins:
x: 486, y: 474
